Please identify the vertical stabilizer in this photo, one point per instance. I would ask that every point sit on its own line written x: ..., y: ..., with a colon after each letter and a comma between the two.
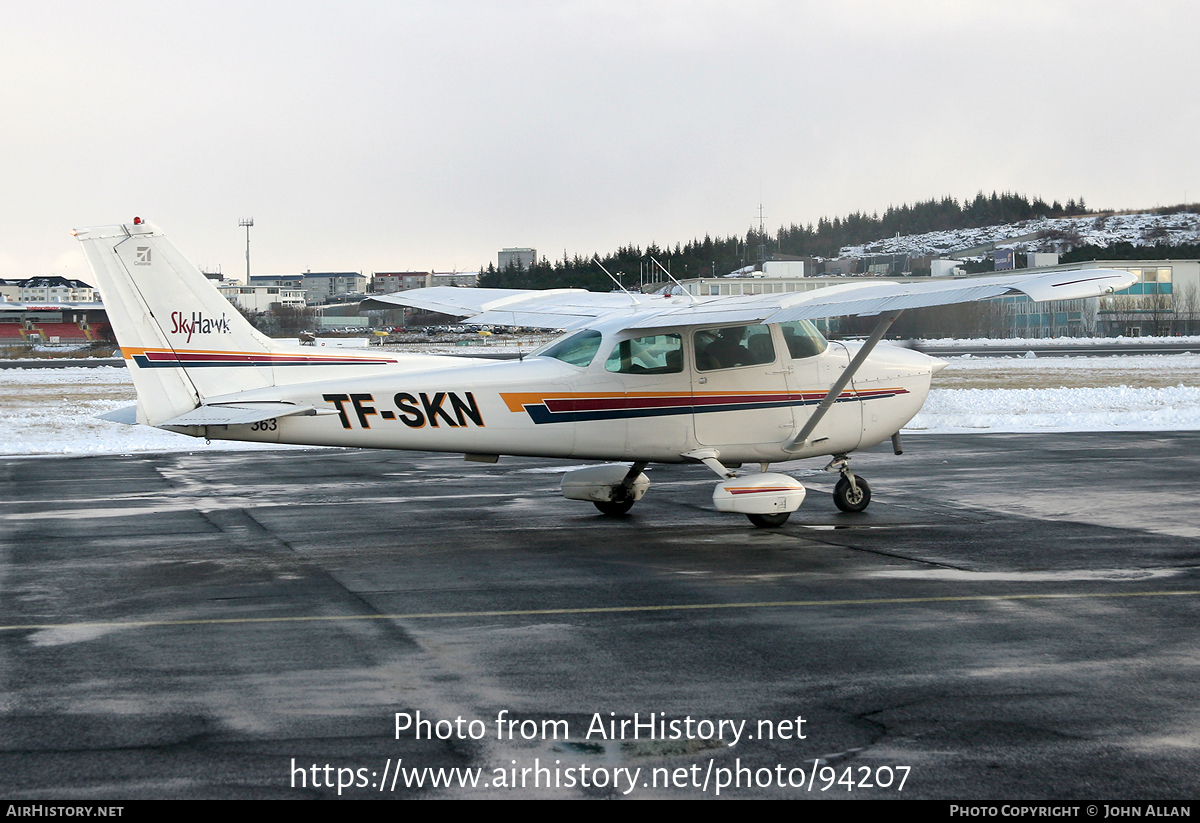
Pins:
x: 171, y: 322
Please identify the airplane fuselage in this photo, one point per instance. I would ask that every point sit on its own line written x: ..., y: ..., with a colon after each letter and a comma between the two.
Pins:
x: 545, y: 407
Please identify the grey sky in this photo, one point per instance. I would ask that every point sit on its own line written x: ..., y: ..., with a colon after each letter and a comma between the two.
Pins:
x: 388, y: 135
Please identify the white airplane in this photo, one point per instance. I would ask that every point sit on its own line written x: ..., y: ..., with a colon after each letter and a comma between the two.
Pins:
x: 638, y: 379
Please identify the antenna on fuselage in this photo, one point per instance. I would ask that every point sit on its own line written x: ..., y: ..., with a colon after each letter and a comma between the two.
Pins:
x: 673, y: 280
x: 615, y: 280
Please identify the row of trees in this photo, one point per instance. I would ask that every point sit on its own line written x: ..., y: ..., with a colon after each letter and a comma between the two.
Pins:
x: 712, y: 257
x: 281, y: 321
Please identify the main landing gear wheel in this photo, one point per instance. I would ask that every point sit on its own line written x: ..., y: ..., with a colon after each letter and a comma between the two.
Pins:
x: 849, y: 499
x: 769, y: 521
x: 613, y: 508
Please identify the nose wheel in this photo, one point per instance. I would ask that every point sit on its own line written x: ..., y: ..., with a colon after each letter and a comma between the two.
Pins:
x: 851, y: 496
x: 852, y: 493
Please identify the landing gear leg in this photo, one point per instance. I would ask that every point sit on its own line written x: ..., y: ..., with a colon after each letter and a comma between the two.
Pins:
x: 622, y: 500
x: 851, y: 494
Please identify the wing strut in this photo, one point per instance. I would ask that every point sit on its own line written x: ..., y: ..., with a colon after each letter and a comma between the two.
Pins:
x: 798, y: 442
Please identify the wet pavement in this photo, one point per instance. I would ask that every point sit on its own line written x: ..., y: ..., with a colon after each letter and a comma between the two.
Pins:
x: 1013, y: 618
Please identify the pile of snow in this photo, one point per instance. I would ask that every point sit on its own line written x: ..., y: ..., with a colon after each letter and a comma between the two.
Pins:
x: 1138, y: 229
x: 1011, y: 342
x: 1115, y: 408
x: 52, y: 411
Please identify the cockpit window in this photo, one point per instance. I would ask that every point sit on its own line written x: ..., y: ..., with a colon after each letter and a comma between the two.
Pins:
x: 578, y: 349
x: 733, y: 346
x: 803, y: 339
x: 657, y: 354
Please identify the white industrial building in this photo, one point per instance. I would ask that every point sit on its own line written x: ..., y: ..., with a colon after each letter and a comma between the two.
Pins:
x: 522, y: 258
x: 54, y: 290
x: 259, y: 299
x: 319, y: 286
x: 396, y: 281
x: 1164, y: 301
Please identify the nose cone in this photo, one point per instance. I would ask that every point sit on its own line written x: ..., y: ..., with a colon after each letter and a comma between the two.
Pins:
x: 899, y: 361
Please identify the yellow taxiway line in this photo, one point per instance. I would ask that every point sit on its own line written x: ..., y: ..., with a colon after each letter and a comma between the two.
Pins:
x: 766, y: 604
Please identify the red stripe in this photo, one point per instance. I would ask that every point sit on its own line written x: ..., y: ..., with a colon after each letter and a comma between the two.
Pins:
x: 258, y: 359
x: 763, y: 489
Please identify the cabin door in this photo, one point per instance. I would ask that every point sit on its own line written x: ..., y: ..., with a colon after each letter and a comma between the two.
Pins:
x: 739, y: 387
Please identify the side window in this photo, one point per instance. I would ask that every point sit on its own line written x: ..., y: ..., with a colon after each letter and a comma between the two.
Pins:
x: 657, y: 354
x: 733, y: 346
x: 803, y: 339
x: 578, y: 349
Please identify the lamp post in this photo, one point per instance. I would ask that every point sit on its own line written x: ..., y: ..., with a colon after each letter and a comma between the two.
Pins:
x: 247, y: 222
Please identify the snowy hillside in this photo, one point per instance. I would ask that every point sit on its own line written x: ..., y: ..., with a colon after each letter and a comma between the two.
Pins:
x: 1057, y: 234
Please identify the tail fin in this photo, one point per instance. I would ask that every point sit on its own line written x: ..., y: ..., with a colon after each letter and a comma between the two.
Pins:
x: 171, y: 322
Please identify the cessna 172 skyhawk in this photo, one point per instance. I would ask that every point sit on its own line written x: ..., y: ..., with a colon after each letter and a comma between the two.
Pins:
x: 638, y: 378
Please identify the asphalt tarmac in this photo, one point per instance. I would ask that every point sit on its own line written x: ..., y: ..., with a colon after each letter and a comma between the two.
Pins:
x: 1014, y: 617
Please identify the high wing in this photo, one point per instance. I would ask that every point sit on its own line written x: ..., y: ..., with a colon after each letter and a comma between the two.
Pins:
x: 571, y: 308
x: 547, y: 308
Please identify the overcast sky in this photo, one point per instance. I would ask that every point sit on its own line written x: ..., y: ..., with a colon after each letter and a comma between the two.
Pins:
x: 383, y: 136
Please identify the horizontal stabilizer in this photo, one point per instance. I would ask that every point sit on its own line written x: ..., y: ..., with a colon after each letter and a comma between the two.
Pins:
x: 237, y: 414
x: 125, y: 414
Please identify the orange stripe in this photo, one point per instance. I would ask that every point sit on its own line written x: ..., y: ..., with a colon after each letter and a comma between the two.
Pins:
x: 128, y: 353
x: 516, y: 401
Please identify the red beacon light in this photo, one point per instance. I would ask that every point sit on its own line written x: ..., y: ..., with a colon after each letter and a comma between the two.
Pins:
x: 137, y: 221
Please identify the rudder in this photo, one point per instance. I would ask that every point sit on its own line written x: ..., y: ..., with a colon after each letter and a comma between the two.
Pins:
x: 171, y: 322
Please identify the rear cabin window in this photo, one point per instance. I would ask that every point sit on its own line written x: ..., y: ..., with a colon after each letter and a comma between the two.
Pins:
x: 733, y: 346
x: 657, y: 354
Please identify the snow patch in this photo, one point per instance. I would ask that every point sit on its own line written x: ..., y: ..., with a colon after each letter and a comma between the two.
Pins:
x: 1101, y: 230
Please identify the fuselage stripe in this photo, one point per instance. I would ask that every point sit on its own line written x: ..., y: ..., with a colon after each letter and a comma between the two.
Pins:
x: 168, y: 359
x: 584, y: 408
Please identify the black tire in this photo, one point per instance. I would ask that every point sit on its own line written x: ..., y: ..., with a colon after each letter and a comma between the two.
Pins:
x: 613, y: 509
x: 846, y: 500
x: 769, y: 521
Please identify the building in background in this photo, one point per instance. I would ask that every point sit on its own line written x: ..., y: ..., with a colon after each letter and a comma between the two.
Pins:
x: 10, y: 290
x: 259, y: 299
x: 395, y: 281
x: 1164, y: 301
x: 319, y: 286
x: 55, y: 290
x: 390, y: 282
x: 518, y: 257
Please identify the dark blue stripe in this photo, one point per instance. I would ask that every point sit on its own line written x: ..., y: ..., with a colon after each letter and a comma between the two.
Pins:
x: 541, y: 414
x: 145, y: 363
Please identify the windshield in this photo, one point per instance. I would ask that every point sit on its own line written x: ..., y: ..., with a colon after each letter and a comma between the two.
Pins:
x: 803, y: 339
x: 578, y: 349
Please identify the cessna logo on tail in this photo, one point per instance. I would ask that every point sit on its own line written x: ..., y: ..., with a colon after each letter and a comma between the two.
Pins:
x: 143, y: 256
x: 198, y: 324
